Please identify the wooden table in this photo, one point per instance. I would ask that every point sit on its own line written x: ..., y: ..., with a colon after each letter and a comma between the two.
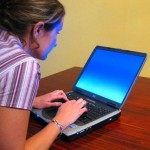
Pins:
x: 130, y: 131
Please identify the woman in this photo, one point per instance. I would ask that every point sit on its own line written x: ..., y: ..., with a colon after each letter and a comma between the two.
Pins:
x: 28, y: 30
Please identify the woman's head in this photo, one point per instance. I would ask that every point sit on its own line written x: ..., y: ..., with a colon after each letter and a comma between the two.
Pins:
x: 16, y: 16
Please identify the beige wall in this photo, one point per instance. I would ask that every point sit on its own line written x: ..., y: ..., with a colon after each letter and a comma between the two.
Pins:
x: 115, y: 23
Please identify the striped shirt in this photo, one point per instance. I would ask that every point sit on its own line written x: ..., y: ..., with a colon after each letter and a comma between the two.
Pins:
x: 19, y: 74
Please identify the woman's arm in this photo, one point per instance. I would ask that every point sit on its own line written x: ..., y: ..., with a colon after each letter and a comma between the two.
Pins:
x: 13, y: 128
x: 43, y: 139
x: 66, y: 115
x: 14, y: 124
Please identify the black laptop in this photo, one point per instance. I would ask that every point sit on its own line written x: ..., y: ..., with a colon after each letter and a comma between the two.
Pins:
x: 105, y: 83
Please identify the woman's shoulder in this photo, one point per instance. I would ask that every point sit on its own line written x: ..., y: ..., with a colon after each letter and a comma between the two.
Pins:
x: 12, y: 53
x: 11, y: 47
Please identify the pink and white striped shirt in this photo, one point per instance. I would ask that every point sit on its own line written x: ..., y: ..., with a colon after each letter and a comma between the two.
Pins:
x: 19, y: 74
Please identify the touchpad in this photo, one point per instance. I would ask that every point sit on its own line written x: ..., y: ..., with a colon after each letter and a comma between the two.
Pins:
x: 49, y: 113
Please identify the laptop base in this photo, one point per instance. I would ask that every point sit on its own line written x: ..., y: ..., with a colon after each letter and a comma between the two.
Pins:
x: 81, y: 133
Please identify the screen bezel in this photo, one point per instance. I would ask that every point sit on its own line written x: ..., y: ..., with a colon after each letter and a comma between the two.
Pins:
x: 100, y: 98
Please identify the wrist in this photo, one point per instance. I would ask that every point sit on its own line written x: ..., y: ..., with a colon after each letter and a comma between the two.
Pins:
x: 58, y: 124
x: 61, y: 121
x: 36, y: 102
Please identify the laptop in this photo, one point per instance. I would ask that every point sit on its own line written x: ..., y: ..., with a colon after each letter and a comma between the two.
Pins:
x: 105, y: 82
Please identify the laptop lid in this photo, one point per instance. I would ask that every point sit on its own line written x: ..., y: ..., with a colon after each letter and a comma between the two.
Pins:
x: 109, y: 74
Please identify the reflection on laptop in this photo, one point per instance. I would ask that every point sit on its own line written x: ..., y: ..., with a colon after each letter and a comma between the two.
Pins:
x: 105, y: 83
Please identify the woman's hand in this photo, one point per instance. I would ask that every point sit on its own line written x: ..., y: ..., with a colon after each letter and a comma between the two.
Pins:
x: 48, y: 100
x: 70, y: 111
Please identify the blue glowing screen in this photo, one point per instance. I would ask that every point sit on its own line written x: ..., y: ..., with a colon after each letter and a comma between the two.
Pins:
x: 110, y: 74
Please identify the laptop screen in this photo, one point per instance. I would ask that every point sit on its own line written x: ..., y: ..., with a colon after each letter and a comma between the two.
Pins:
x: 110, y: 73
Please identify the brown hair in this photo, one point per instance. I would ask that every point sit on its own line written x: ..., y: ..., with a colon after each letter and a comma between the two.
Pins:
x: 17, y: 15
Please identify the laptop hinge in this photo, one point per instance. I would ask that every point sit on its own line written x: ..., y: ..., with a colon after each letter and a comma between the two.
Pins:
x: 111, y: 104
x: 78, y: 91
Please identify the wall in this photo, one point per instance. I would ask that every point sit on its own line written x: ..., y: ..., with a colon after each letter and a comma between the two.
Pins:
x: 119, y: 23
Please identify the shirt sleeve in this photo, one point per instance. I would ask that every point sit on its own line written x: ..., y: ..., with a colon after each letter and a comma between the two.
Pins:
x: 19, y: 85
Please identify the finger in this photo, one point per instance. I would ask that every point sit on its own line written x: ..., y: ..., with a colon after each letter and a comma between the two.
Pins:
x: 84, y: 109
x: 82, y: 102
x: 65, y: 97
x: 57, y: 91
x: 61, y: 92
x: 79, y: 100
x: 55, y: 104
x: 58, y: 97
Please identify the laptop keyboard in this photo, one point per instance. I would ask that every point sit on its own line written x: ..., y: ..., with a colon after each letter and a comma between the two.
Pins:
x: 94, y: 111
